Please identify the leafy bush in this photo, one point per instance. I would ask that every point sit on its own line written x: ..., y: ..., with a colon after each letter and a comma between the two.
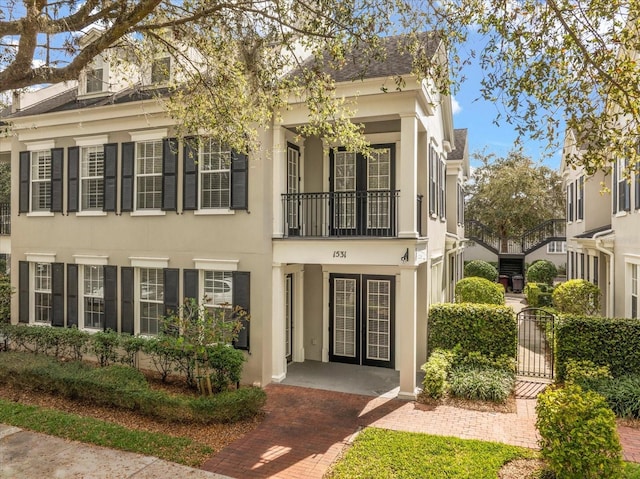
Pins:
x: 482, y: 383
x: 436, y: 370
x: 577, y: 296
x: 480, y: 269
x: 612, y: 342
x: 130, y: 347
x: 579, y: 436
x: 5, y: 298
x: 478, y: 360
x: 478, y: 290
x: 124, y: 387
x: 488, y: 329
x: 581, y: 372
x: 542, y: 271
x: 226, y: 363
x: 538, y: 295
x: 104, y: 344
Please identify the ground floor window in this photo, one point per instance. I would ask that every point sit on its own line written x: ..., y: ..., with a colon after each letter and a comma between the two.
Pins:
x: 151, y: 299
x: 93, y: 296
x: 635, y: 290
x: 218, y: 290
x: 42, y: 292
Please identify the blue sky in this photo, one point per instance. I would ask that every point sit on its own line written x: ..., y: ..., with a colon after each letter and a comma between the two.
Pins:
x: 477, y: 115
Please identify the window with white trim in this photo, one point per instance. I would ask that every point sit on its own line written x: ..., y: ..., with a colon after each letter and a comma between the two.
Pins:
x: 41, y: 180
x: 42, y: 297
x: 635, y: 290
x: 580, y: 198
x: 91, y: 178
x: 160, y: 70
x: 215, y: 174
x: 557, y: 247
x: 148, y: 172
x: 217, y: 290
x: 94, y: 77
x: 93, y: 296
x: 150, y: 299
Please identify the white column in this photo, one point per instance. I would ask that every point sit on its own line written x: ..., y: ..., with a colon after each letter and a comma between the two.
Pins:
x: 278, y: 347
x: 298, y: 317
x: 279, y: 178
x: 406, y: 324
x: 407, y: 209
x: 325, y: 316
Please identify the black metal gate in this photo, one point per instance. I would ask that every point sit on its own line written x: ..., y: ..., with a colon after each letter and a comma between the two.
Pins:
x: 535, y: 343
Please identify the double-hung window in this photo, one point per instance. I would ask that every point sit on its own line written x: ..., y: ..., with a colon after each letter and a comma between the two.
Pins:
x: 557, y: 247
x: 42, y: 294
x: 580, y: 198
x: 635, y: 290
x: 41, y: 180
x: 150, y: 299
x: 91, y: 178
x: 93, y: 296
x: 218, y: 290
x: 148, y: 172
x: 215, y: 174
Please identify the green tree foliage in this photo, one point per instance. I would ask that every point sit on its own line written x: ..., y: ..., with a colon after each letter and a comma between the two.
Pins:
x: 5, y: 182
x: 481, y: 269
x: 513, y: 194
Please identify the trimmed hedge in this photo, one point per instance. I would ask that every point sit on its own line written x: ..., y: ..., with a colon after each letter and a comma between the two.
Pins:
x: 487, y: 329
x: 478, y: 290
x: 542, y: 271
x: 577, y: 296
x: 538, y: 295
x: 613, y: 342
x: 480, y: 269
x: 124, y: 387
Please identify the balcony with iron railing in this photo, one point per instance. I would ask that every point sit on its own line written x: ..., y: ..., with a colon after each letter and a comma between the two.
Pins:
x: 5, y: 219
x: 344, y: 214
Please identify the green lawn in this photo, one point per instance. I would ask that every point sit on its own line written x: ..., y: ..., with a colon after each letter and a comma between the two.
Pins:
x: 384, y: 454
x: 78, y: 428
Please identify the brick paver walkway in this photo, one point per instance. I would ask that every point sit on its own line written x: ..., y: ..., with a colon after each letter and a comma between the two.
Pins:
x: 305, y: 430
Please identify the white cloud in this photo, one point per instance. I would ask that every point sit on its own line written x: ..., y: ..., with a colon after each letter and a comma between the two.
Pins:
x: 36, y: 63
x: 455, y: 106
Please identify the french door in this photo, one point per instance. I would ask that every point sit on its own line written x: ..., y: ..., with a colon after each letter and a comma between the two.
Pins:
x: 293, y: 188
x: 363, y: 197
x: 362, y: 319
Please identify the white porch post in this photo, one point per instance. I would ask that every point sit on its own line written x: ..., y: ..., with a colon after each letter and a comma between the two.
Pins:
x: 325, y: 316
x: 406, y: 324
x: 407, y: 209
x: 298, y: 317
x: 278, y: 347
x: 279, y: 179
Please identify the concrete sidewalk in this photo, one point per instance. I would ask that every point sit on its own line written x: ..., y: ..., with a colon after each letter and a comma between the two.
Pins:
x: 30, y: 455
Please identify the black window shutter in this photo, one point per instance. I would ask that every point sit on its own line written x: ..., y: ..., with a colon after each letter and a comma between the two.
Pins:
x: 190, y: 284
x: 25, y: 176
x: 169, y: 174
x: 239, y: 181
x: 72, y: 295
x: 73, y: 178
x: 23, y: 291
x: 242, y: 298
x: 127, y: 176
x: 57, y: 165
x: 126, y: 308
x: 57, y: 293
x: 432, y: 183
x: 571, y: 197
x: 614, y: 185
x: 110, y: 176
x: 110, y: 297
x: 638, y: 186
x: 190, y: 186
x: 171, y: 290
x: 627, y: 195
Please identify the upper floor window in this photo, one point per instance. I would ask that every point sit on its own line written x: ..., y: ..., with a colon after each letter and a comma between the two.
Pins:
x: 148, y: 173
x: 621, y: 187
x: 570, y: 197
x: 41, y: 180
x: 580, y: 198
x: 557, y: 247
x: 215, y: 174
x: 160, y: 70
x: 94, y: 80
x: 437, y: 183
x: 92, y: 178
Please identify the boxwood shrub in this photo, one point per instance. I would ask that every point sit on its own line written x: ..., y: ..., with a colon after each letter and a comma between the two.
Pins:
x: 480, y: 269
x: 577, y: 296
x: 124, y: 387
x: 488, y: 329
x: 612, y: 342
x: 542, y: 271
x: 538, y: 295
x: 478, y: 290
x: 436, y: 371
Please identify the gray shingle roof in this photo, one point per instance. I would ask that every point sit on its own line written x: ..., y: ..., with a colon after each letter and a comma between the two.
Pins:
x: 460, y: 143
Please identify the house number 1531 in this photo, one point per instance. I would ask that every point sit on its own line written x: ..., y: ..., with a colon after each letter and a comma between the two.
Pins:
x: 339, y: 254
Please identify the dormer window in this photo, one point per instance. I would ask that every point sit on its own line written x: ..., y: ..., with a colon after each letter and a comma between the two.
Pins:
x: 94, y: 80
x: 160, y: 70
x: 95, y: 77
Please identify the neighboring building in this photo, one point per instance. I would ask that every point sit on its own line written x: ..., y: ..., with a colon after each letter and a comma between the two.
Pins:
x: 603, y: 221
x: 337, y: 256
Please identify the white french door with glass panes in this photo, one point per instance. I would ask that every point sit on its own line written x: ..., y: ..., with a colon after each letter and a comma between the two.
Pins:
x: 293, y: 188
x: 363, y: 200
x: 362, y: 319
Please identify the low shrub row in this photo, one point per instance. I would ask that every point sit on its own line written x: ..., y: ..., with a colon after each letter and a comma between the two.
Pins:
x: 167, y: 352
x: 124, y: 387
x: 488, y: 329
x: 479, y: 290
x: 538, y: 295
